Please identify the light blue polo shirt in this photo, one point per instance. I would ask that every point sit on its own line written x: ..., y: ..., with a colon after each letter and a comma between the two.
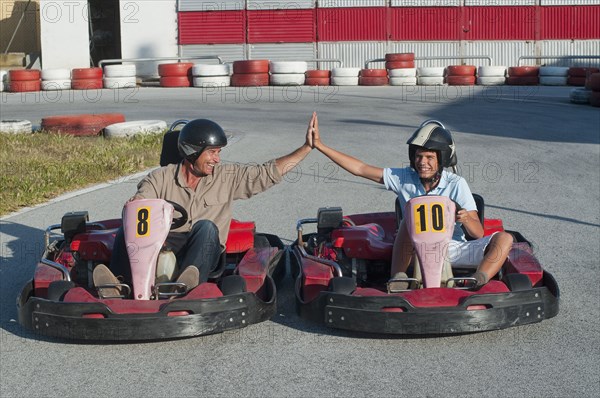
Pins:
x: 406, y: 184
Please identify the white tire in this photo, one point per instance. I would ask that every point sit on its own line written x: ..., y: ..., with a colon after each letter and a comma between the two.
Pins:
x: 403, y: 81
x: 212, y: 81
x: 553, y: 71
x: 345, y: 72
x: 287, y: 79
x: 432, y: 71
x: 56, y: 74
x: 53, y: 85
x: 430, y: 80
x: 15, y: 126
x: 402, y: 72
x: 119, y: 82
x: 130, y: 129
x: 491, y: 71
x: 119, y: 71
x: 288, y: 67
x: 491, y: 80
x: 210, y: 70
x: 553, y: 80
x: 344, y: 81
x: 580, y: 96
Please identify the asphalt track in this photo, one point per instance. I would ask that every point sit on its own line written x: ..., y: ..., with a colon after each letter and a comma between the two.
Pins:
x: 533, y: 156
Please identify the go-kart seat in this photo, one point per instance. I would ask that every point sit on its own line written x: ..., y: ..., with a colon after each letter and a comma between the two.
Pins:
x: 169, y: 153
x: 479, y: 203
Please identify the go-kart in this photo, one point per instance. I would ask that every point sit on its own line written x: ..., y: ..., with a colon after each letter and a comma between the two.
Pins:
x: 61, y: 300
x: 342, y: 275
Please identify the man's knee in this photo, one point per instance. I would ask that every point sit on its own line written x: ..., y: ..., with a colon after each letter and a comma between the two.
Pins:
x: 207, y: 228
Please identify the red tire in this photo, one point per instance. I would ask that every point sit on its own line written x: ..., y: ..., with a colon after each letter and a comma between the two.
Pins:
x: 403, y: 57
x: 576, y: 81
x: 399, y: 64
x: 255, y: 66
x: 249, y: 79
x: 22, y: 86
x: 460, y: 70
x: 317, y: 81
x: 582, y: 72
x: 522, y: 80
x: 20, y: 75
x: 175, y: 69
x: 595, y: 99
x: 523, y: 71
x: 86, y: 84
x: 318, y: 73
x: 176, y: 81
x: 86, y: 74
x: 593, y: 82
x: 460, y: 80
x: 373, y: 73
x: 373, y: 81
x: 81, y: 125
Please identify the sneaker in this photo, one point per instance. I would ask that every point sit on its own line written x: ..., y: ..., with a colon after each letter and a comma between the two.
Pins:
x: 398, y: 282
x: 481, y: 280
x: 190, y: 276
x: 103, y: 276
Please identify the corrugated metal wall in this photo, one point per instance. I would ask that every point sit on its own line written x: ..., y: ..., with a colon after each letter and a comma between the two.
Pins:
x: 427, y: 49
x: 282, y: 26
x: 227, y: 52
x: 283, y: 51
x: 425, y: 23
x: 210, y: 5
x: 567, y: 22
x: 351, y: 24
x: 214, y: 27
x: 279, y: 4
x: 499, y: 23
x: 352, y: 54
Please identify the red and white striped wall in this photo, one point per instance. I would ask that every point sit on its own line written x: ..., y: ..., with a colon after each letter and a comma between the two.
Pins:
x: 356, y: 30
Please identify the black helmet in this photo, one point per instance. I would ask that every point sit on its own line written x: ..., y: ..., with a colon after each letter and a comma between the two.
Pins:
x: 196, y: 135
x: 433, y: 136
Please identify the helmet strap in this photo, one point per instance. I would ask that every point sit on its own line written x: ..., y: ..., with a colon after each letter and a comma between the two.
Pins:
x: 432, y: 180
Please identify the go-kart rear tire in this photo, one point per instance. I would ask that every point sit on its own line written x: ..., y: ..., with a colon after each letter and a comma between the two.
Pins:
x: 342, y: 285
x: 232, y: 284
x: 58, y: 289
x: 517, y: 282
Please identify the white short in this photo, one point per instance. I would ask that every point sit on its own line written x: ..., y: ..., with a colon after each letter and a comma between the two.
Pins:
x: 470, y: 253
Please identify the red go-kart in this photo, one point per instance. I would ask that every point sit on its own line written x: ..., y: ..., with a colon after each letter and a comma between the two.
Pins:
x: 342, y: 275
x: 61, y: 300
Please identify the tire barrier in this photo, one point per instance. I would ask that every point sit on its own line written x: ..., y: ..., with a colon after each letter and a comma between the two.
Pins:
x: 491, y: 75
x: 523, y: 76
x: 250, y: 73
x: 373, y: 77
x: 403, y: 81
x: 56, y: 79
x: 135, y: 128
x: 580, y: 96
x: 553, y: 75
x: 577, y: 75
x: 177, y: 74
x: 211, y: 75
x: 287, y: 79
x: 344, y: 76
x: 211, y: 81
x: 119, y: 76
x: 80, y: 125
x: 24, y: 80
x: 317, y: 77
x: 460, y: 75
x: 86, y: 79
x: 430, y: 76
x: 593, y: 84
x: 15, y: 126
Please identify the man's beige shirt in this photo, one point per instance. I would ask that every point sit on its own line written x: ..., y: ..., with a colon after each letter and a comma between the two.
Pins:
x: 212, y: 198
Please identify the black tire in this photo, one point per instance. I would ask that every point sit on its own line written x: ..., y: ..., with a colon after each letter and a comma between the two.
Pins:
x: 517, y: 282
x: 232, y: 284
x: 342, y: 285
x: 261, y: 242
x: 58, y: 289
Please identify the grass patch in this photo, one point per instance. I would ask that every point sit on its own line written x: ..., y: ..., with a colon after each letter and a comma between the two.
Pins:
x: 40, y: 166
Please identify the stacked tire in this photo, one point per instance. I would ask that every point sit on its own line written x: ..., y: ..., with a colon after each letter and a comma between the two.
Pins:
x: 24, y: 80
x: 86, y: 79
x: 491, y: 75
x: 317, y: 77
x: 523, y: 76
x: 577, y: 75
x: 56, y: 79
x: 119, y: 76
x: 15, y: 127
x: 373, y: 77
x: 135, y: 128
x: 553, y: 75
x: 401, y: 69
x: 430, y: 76
x: 460, y: 75
x: 80, y: 125
x: 593, y: 83
x: 211, y: 75
x: 250, y: 73
x: 287, y: 73
x: 178, y: 74
x: 344, y: 76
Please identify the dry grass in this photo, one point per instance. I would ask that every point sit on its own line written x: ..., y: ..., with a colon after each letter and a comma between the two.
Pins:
x: 40, y: 166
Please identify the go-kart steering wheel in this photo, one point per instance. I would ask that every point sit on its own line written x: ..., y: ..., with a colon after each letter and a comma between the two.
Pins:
x: 182, y: 219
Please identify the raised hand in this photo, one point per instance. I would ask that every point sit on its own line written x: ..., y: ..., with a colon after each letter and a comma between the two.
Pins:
x: 310, y: 130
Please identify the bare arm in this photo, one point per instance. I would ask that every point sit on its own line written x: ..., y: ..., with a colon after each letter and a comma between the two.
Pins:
x: 288, y: 162
x: 347, y: 162
x: 470, y: 221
